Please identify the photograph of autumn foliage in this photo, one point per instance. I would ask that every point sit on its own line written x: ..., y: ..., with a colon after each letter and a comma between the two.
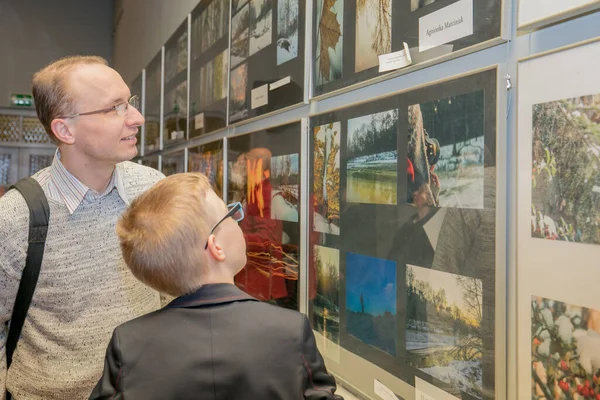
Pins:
x: 327, y: 178
x: 330, y: 25
x: 565, y: 351
x: 566, y: 170
x: 373, y: 32
x: 237, y: 103
x: 443, y: 327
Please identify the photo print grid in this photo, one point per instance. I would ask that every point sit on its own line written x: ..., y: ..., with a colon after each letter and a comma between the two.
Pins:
x: 447, y: 338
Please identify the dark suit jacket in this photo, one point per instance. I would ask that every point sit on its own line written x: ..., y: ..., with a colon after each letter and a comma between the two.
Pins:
x: 216, y: 343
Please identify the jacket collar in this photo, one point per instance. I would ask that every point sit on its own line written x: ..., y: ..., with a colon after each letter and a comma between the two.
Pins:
x: 209, y: 295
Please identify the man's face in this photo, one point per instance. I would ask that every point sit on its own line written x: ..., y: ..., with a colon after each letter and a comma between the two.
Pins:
x: 228, y: 234
x: 104, y: 138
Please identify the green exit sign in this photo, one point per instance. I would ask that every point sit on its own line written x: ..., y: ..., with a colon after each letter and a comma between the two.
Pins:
x: 21, y: 100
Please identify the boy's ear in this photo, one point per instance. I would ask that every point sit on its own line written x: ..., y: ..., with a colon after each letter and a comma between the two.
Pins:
x: 215, y: 250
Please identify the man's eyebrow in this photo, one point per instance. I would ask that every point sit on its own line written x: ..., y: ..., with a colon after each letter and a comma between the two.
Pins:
x: 120, y: 100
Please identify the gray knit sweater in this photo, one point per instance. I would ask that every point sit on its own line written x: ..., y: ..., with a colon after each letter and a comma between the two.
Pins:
x: 84, y: 291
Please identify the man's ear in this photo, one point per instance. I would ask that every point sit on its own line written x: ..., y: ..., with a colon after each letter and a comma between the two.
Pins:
x: 62, y: 131
x: 215, y: 250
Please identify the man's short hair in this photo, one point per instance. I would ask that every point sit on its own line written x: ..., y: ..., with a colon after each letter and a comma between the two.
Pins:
x: 163, y: 231
x: 51, y: 90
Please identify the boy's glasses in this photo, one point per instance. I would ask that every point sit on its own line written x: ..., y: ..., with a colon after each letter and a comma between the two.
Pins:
x: 236, y: 211
x: 121, y: 108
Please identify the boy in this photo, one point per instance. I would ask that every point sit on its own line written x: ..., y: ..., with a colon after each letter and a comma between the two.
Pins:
x: 213, y: 341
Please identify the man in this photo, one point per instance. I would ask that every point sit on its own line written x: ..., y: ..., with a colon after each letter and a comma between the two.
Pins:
x: 84, y: 288
x: 214, y: 341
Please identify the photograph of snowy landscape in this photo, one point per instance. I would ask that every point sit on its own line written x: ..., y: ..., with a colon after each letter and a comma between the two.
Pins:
x: 565, y: 340
x: 261, y: 24
x: 214, y: 22
x: 443, y: 327
x: 287, y: 30
x: 453, y: 135
x: 371, y: 301
x: 416, y: 4
x: 237, y: 4
x: 373, y: 32
x: 566, y: 170
x: 285, y: 182
x: 372, y: 158
x: 239, y: 36
x: 326, y: 304
x: 329, y: 28
x: 237, y: 101
x: 327, y: 178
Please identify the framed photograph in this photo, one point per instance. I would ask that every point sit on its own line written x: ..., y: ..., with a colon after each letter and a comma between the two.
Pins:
x: 416, y: 171
x: 558, y: 218
x: 535, y: 14
x: 173, y: 162
x: 208, y: 159
x: 267, y: 57
x: 152, y: 104
x: 136, y: 88
x: 263, y: 174
x: 350, y: 35
x: 209, y: 67
x: 175, y: 106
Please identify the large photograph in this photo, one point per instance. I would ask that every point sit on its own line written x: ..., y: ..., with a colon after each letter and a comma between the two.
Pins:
x: 446, y: 151
x: 214, y: 22
x: 326, y: 304
x: 237, y: 103
x: 240, y: 25
x: 371, y: 301
x: 372, y: 158
x: 373, y: 32
x: 565, y: 351
x: 566, y: 170
x: 443, y: 329
x: 287, y: 30
x: 261, y: 24
x: 327, y: 178
x: 285, y: 182
x: 328, y: 56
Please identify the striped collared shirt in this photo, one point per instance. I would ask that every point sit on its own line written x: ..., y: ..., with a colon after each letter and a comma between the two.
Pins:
x: 66, y: 188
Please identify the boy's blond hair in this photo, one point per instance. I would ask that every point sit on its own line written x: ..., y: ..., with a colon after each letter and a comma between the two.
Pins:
x: 163, y: 231
x: 51, y: 90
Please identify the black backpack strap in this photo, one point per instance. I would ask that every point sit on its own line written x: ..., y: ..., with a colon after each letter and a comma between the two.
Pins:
x: 39, y: 214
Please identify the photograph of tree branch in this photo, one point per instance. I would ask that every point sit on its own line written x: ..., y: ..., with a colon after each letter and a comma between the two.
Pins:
x: 565, y: 351
x: 566, y: 170
x: 443, y: 327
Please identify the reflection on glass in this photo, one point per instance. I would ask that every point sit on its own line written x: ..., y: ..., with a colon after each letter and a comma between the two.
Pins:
x: 208, y: 159
x: 173, y: 163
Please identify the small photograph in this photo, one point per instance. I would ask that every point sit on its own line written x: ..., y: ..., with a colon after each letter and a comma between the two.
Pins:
x: 566, y: 170
x: 261, y: 24
x: 371, y: 301
x: 219, y: 78
x: 373, y: 32
x: 330, y: 25
x: 372, y: 158
x: 446, y: 152
x: 287, y: 30
x: 326, y: 305
x: 209, y: 163
x: 327, y: 178
x: 443, y: 328
x: 239, y: 36
x: 237, y: 4
x: 416, y: 4
x: 206, y: 83
x: 285, y: 182
x: 237, y: 101
x: 565, y: 351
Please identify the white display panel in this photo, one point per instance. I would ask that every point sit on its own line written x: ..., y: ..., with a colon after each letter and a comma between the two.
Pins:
x: 534, y: 14
x: 557, y: 250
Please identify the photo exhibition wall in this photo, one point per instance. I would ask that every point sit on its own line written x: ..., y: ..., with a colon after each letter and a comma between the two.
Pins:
x: 421, y: 178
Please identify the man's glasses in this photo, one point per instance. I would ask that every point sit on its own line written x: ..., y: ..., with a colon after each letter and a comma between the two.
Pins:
x: 236, y: 211
x: 121, y: 108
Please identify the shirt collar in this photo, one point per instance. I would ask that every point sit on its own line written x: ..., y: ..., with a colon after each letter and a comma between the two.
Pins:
x: 71, y: 191
x: 210, y: 295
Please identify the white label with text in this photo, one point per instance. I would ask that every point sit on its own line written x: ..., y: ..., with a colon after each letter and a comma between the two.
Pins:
x: 260, y: 96
x: 395, y: 60
x: 199, y: 121
x: 280, y: 83
x: 445, y: 25
x: 383, y: 391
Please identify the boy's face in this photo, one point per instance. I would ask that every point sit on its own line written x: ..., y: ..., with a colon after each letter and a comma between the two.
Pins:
x: 228, y: 234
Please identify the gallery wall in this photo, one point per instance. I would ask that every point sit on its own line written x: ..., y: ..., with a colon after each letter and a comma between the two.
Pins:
x: 33, y: 33
x: 415, y: 216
